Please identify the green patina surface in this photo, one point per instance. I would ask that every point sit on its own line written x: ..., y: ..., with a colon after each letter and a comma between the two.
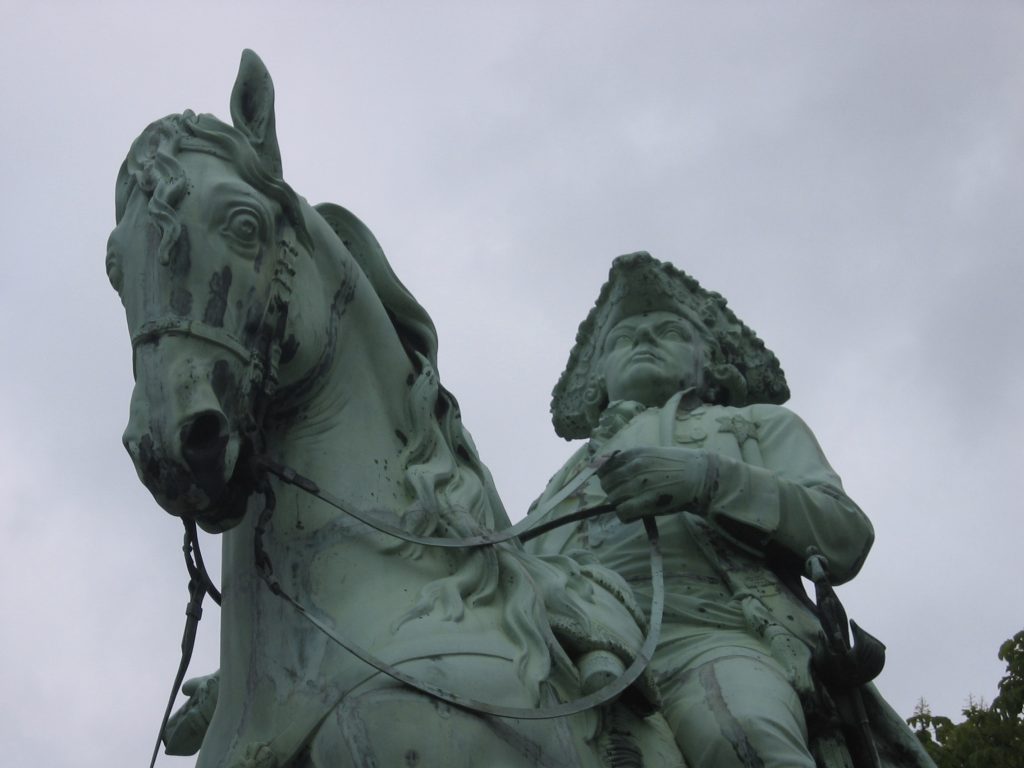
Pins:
x: 263, y: 326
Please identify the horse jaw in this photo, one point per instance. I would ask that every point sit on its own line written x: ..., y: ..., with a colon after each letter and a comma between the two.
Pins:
x: 183, y: 443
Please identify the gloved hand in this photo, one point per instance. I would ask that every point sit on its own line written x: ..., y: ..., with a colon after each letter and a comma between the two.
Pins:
x: 187, y: 726
x: 651, y: 481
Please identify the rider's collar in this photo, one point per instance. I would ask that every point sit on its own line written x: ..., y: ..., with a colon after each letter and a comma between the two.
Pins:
x: 619, y: 413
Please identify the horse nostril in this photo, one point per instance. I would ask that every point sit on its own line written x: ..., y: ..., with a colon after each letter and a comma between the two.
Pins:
x: 204, y: 439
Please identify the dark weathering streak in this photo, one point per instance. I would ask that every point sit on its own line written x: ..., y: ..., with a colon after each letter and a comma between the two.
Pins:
x: 180, y: 264
x: 217, y: 304
x: 730, y: 727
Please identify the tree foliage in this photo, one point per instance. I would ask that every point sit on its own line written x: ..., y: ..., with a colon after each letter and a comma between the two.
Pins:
x: 990, y: 736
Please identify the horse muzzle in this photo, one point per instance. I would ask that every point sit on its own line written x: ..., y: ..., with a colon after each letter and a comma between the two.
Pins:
x: 187, y: 452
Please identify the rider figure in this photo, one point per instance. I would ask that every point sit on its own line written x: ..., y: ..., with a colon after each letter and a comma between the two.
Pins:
x: 679, y: 403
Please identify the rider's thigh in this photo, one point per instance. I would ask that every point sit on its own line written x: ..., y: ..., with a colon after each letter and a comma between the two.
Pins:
x: 738, y: 710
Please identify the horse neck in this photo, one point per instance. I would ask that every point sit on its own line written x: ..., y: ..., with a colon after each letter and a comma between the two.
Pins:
x: 353, y: 433
x: 368, y: 433
x: 352, y: 419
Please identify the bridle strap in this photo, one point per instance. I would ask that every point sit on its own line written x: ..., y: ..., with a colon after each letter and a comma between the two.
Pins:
x: 601, y: 696
x: 526, y: 529
x: 262, y: 357
x: 199, y: 585
x: 176, y: 326
x: 195, y: 563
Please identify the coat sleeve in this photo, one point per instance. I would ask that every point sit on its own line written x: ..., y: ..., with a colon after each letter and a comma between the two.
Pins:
x: 789, y: 500
x: 566, y: 538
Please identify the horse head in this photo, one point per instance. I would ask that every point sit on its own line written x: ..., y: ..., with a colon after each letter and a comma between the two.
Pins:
x: 210, y: 242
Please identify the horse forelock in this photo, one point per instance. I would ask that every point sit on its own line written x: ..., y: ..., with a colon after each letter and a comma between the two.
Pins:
x: 152, y: 167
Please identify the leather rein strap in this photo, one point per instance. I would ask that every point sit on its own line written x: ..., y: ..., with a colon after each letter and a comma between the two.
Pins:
x: 526, y: 529
x: 601, y: 696
x: 199, y: 585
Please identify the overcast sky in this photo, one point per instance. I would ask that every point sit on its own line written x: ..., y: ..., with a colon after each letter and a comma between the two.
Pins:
x: 849, y: 178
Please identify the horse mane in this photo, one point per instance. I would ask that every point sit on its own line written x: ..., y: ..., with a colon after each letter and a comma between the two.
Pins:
x: 418, y: 336
x: 452, y: 492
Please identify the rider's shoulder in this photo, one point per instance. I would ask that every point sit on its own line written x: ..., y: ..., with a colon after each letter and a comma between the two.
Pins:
x: 765, y: 410
x: 761, y: 413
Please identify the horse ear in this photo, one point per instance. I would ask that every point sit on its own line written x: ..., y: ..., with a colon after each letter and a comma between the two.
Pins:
x: 252, y: 110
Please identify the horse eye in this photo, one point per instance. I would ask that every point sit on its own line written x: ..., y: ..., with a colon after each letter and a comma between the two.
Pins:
x: 244, y: 226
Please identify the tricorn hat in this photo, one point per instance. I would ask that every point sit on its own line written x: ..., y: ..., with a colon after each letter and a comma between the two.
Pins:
x: 639, y: 283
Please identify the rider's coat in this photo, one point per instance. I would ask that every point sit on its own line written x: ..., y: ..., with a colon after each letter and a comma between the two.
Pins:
x: 776, y: 496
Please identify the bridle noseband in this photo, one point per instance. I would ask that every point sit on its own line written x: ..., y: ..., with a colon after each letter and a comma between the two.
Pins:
x: 261, y: 357
x: 154, y: 330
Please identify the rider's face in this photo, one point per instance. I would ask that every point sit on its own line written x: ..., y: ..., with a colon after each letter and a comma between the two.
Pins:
x: 651, y: 356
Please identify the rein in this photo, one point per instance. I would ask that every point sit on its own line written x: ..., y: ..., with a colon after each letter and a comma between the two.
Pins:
x: 262, y: 356
x: 601, y: 696
x: 524, y: 530
x: 200, y: 585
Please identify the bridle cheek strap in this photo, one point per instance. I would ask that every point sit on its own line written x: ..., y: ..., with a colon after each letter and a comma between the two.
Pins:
x: 262, y: 357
